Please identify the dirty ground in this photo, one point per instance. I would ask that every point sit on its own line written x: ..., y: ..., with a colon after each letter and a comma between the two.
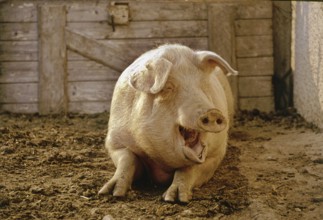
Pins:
x: 53, y: 167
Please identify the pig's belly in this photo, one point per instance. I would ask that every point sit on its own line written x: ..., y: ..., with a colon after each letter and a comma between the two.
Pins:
x: 157, y: 172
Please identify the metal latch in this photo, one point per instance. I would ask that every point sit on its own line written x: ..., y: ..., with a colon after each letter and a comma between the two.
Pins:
x: 118, y: 13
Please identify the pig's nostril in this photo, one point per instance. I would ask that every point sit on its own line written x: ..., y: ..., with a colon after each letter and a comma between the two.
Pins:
x: 219, y: 121
x: 205, y: 120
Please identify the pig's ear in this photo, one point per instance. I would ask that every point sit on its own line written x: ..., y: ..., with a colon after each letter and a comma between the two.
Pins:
x: 208, y: 60
x: 153, y: 76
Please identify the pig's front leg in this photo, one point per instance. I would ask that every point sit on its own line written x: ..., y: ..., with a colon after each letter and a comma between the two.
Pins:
x: 187, y: 178
x: 128, y: 165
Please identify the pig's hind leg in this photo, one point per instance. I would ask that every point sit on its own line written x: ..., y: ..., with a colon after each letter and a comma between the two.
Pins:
x: 128, y: 167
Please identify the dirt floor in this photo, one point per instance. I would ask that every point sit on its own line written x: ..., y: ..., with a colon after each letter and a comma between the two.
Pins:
x: 53, y: 167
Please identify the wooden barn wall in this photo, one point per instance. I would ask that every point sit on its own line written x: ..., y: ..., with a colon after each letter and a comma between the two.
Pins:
x: 18, y: 57
x: 90, y: 84
x: 254, y: 54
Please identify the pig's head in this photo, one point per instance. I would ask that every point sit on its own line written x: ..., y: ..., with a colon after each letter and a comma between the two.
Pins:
x: 181, y: 103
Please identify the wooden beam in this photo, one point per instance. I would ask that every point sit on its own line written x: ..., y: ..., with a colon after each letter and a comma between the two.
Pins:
x: 105, y: 54
x: 222, y: 38
x: 52, y: 59
x: 141, y: 29
x: 283, y: 79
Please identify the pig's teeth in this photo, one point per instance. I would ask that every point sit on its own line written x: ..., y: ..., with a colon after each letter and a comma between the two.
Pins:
x: 190, y: 136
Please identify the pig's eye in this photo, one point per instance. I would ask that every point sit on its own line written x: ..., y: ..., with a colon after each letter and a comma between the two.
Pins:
x: 169, y: 87
x: 167, y: 92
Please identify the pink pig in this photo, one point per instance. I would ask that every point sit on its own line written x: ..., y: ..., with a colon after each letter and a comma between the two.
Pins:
x: 169, y: 117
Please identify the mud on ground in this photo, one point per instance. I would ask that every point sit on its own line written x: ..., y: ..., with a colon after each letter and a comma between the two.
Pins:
x: 53, y: 167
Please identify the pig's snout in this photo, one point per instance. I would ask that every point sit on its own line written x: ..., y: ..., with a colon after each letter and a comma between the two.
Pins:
x: 212, y: 121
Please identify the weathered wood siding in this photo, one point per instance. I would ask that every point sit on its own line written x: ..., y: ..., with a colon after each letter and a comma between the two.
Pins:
x: 151, y: 24
x: 89, y: 84
x: 254, y: 54
x: 18, y: 57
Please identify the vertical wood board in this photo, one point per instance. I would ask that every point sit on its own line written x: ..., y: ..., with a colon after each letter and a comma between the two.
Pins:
x: 222, y: 38
x: 52, y: 59
x: 282, y: 23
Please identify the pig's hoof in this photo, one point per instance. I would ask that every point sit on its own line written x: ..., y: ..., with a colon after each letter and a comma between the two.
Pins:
x: 177, y: 193
x: 115, y: 187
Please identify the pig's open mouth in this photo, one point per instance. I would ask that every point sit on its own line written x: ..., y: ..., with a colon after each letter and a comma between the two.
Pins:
x: 194, y: 149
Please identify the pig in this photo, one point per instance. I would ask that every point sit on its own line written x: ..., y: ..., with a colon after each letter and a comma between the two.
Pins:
x: 170, y: 115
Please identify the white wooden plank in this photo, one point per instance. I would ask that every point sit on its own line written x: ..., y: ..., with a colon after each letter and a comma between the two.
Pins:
x: 259, y: 9
x: 256, y: 66
x: 139, y: 11
x: 28, y: 108
x: 88, y: 107
x: 15, y: 72
x: 25, y: 11
x: 168, y: 11
x: 255, y: 86
x: 254, y: 46
x: 133, y: 48
x: 253, y: 27
x: 52, y: 59
x: 18, y: 31
x: 87, y: 11
x: 18, y: 51
x: 265, y: 104
x: 18, y: 11
x: 142, y: 29
x: 108, y: 55
x: 19, y: 93
x: 90, y: 71
x: 90, y: 91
